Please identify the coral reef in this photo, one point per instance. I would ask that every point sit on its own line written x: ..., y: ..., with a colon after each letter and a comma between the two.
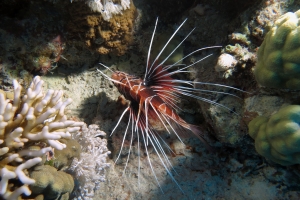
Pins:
x: 63, y: 158
x: 236, y: 171
x: 278, y: 57
x: 268, y: 12
x: 243, y: 57
x: 52, y: 184
x: 241, y: 50
x: 245, y: 40
x: 277, y: 138
x: 108, y: 8
x: 89, y: 169
x: 44, y: 57
x: 31, y: 38
x: 36, y: 56
x: 36, y: 35
x: 30, y: 129
x: 225, y: 63
x: 113, y: 36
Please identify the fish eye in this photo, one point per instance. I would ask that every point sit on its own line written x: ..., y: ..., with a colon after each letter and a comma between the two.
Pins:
x: 144, y: 83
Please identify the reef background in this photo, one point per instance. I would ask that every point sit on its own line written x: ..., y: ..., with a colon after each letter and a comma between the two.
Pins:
x: 236, y: 171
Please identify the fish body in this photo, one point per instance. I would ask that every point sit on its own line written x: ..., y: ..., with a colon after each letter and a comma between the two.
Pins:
x: 154, y: 99
x: 138, y: 91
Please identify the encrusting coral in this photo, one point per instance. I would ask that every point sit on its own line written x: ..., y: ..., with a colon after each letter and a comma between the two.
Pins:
x: 43, y: 57
x: 104, y: 37
x: 89, y: 169
x: 64, y: 158
x: 225, y: 62
x: 30, y: 128
x: 52, y: 183
x: 278, y: 138
x: 278, y: 63
x: 108, y: 8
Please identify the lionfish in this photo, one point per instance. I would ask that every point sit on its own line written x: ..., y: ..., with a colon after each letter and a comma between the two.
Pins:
x: 154, y: 99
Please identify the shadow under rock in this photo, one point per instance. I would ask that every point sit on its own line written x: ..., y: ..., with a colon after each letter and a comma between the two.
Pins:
x: 108, y: 108
x: 102, y: 106
x: 88, y: 110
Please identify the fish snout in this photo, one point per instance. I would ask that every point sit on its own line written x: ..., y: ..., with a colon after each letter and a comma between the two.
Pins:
x: 115, y: 76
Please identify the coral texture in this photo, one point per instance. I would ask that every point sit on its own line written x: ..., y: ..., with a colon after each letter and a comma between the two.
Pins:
x: 89, y: 169
x: 108, y: 8
x: 44, y: 56
x: 63, y: 158
x: 30, y: 128
x: 35, y: 42
x: 51, y: 183
x: 278, y: 63
x: 225, y: 62
x: 113, y: 36
x: 266, y: 15
x: 278, y: 138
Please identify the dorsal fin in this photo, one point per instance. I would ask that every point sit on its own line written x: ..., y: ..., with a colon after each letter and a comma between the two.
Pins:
x: 163, y: 86
x: 158, y: 77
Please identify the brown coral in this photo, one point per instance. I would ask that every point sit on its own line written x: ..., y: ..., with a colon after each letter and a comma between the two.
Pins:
x: 63, y: 158
x: 113, y: 36
x: 51, y: 183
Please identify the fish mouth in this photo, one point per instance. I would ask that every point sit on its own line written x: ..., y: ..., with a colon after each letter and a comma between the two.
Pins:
x: 115, y: 76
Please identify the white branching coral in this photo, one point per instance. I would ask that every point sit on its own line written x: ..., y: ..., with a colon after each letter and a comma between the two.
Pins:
x: 108, y: 8
x: 89, y: 169
x: 30, y: 127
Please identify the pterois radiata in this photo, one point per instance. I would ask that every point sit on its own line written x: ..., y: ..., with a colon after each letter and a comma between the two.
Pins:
x: 153, y: 98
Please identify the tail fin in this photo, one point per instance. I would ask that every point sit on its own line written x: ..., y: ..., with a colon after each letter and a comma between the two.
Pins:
x: 199, y: 134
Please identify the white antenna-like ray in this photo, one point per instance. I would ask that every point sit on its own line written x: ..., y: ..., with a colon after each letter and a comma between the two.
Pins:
x: 202, y: 83
x: 149, y: 161
x: 149, y: 51
x: 125, y: 133
x: 161, y: 51
x: 167, y: 169
x: 180, y: 70
x: 160, y: 64
x: 110, y: 79
x: 128, y: 108
x: 176, y: 63
x: 131, y: 139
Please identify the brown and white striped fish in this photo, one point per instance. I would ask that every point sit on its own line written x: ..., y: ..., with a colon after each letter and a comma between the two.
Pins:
x: 154, y: 99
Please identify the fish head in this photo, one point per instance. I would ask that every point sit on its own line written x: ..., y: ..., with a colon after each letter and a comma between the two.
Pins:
x: 119, y: 76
